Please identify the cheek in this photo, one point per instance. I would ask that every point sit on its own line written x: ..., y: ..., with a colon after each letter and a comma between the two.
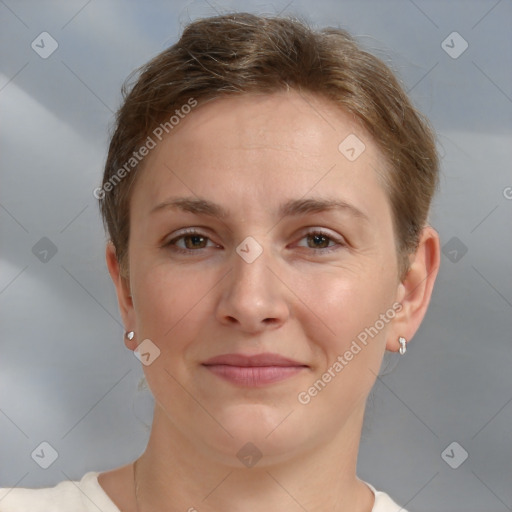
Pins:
x: 343, y: 307
x: 169, y: 301
x: 171, y: 307
x: 346, y: 332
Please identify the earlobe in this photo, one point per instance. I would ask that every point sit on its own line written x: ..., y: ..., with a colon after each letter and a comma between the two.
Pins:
x: 415, y: 290
x: 122, y: 286
x: 129, y: 340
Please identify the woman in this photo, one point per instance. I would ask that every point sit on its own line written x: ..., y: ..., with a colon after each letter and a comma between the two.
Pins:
x: 266, y: 194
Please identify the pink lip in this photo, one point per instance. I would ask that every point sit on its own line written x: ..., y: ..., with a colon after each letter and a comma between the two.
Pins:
x: 253, y: 371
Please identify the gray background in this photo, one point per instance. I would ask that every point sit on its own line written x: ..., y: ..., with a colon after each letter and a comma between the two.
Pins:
x: 65, y: 375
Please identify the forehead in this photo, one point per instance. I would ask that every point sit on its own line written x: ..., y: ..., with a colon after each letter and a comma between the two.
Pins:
x: 286, y: 120
x: 263, y: 147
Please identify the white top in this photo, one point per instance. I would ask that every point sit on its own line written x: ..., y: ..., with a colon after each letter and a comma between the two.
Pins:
x: 87, y: 495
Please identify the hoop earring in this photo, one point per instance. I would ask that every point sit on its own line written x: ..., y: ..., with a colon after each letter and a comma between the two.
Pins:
x: 403, y: 345
x: 129, y: 335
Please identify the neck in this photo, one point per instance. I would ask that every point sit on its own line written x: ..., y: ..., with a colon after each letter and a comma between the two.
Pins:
x: 174, y: 474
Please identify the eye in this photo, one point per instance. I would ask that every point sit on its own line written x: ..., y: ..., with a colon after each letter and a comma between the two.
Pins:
x: 319, y: 240
x: 190, y: 241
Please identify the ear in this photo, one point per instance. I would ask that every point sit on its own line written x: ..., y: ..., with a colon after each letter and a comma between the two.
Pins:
x: 415, y: 290
x: 124, y: 297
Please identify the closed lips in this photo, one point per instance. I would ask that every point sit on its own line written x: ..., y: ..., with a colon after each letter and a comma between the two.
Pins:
x: 253, y: 371
x: 241, y: 360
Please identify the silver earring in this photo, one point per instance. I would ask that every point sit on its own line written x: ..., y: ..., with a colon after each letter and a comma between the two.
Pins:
x: 129, y: 335
x: 403, y: 345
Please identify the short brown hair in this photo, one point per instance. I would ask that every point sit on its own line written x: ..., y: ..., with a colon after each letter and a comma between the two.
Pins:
x: 245, y: 53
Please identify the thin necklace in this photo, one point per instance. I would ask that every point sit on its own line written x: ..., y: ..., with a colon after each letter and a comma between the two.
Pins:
x: 136, y: 484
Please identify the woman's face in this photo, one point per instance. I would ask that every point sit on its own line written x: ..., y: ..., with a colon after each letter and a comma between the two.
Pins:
x: 234, y: 251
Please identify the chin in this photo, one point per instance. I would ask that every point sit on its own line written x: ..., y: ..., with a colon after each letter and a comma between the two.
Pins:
x: 259, y: 430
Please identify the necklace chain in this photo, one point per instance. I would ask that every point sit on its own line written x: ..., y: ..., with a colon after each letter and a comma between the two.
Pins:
x: 136, y: 484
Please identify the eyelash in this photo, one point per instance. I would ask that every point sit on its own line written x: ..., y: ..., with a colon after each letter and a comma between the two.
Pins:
x: 191, y: 232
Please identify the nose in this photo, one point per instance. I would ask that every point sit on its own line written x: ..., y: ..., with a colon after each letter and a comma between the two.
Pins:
x: 253, y: 297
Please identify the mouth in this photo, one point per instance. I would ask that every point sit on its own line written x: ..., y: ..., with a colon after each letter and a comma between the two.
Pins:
x: 253, y: 371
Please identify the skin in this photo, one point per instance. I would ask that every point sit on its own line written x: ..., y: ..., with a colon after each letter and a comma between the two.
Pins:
x: 250, y: 154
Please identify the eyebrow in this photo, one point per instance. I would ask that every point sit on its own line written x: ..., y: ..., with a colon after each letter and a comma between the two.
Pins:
x: 293, y: 207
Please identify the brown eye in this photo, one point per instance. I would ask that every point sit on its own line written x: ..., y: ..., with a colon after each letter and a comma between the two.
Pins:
x: 318, y: 241
x: 195, y: 241
x: 321, y: 242
x: 190, y: 241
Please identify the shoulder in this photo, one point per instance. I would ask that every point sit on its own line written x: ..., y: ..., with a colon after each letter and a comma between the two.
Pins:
x: 79, y: 496
x: 383, y: 503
